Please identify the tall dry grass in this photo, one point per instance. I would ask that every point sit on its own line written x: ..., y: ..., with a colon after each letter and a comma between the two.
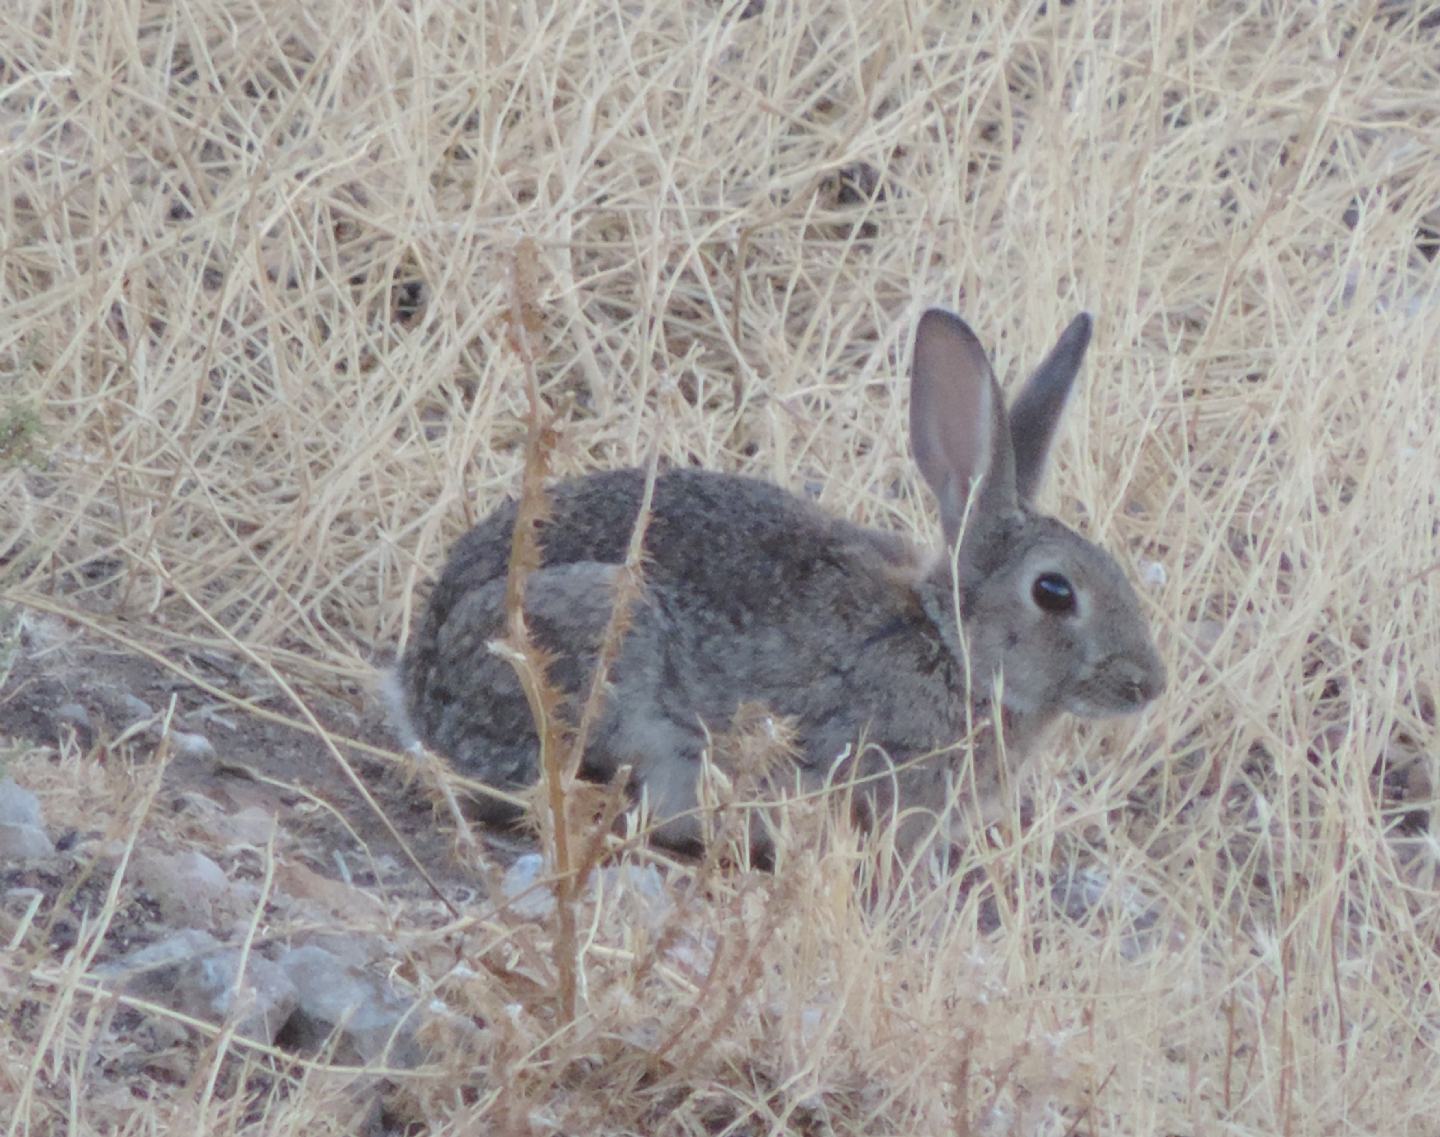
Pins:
x: 257, y: 371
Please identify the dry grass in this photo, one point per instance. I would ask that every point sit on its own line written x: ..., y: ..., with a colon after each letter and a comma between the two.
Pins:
x: 258, y: 370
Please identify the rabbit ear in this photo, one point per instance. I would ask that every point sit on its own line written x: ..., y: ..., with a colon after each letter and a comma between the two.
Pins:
x: 957, y: 424
x: 1037, y: 409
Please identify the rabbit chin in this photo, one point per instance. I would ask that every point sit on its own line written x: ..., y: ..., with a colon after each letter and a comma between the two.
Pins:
x: 1086, y: 707
x: 1031, y: 706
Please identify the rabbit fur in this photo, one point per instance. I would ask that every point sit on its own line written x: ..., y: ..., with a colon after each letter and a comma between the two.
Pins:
x: 887, y: 665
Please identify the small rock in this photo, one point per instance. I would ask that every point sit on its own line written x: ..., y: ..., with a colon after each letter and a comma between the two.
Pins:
x: 22, y: 827
x: 190, y: 888
x: 250, y: 826
x: 18, y: 806
x: 136, y: 708
x: 163, y: 953
x: 24, y: 842
x: 119, y: 708
x: 642, y: 884
x: 73, y: 714
x: 326, y: 894
x: 193, y: 973
x: 360, y: 1014
x: 530, y: 898
x: 189, y: 745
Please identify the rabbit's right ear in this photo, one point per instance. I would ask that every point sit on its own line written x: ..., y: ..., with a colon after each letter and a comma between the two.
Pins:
x: 958, y: 427
x: 1036, y: 411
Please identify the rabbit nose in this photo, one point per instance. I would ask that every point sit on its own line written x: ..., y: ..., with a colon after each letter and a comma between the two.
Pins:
x: 1146, y: 681
x: 1138, y: 681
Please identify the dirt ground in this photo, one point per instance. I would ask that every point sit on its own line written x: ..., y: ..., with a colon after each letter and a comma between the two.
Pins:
x: 68, y: 688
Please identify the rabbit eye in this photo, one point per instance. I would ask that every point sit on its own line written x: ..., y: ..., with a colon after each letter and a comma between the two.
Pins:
x: 1053, y: 593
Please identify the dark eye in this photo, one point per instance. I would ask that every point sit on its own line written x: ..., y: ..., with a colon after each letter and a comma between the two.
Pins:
x: 1053, y: 593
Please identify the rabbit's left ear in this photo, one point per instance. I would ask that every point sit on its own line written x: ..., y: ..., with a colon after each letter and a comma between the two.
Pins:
x: 958, y: 429
x: 1037, y: 409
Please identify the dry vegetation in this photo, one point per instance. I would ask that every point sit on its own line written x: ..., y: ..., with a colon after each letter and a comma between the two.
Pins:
x: 264, y: 270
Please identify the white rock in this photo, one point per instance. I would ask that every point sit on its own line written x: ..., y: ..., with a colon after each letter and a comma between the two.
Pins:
x: 190, y: 745
x: 136, y: 708
x: 524, y: 887
x: 358, y: 1012
x: 189, y: 887
x: 75, y: 714
x: 193, y: 973
x: 24, y: 842
x: 18, y: 806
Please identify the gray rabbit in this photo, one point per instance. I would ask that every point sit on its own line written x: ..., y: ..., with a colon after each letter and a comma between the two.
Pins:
x: 887, y: 664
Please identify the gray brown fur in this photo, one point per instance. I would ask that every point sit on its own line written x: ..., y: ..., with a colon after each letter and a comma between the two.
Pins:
x: 754, y: 595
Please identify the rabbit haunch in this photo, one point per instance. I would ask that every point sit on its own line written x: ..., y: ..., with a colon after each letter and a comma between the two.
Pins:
x: 753, y: 595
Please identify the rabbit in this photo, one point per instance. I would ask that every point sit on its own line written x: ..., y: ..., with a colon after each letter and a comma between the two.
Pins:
x: 890, y: 667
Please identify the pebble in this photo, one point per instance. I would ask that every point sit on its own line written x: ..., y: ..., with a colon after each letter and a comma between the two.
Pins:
x: 193, y: 973
x: 367, y: 1018
x: 22, y: 826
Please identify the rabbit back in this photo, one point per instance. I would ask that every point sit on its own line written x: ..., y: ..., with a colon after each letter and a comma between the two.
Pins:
x: 752, y: 595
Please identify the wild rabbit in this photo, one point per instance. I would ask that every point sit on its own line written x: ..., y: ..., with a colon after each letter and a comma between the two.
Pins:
x: 886, y: 664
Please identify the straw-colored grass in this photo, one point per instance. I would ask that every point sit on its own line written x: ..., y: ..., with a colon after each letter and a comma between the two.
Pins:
x: 260, y: 270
